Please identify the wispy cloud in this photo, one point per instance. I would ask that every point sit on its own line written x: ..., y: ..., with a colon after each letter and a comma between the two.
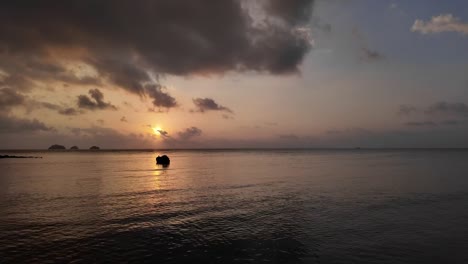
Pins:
x: 11, y: 124
x: 446, y: 108
x: 406, y: 110
x: 189, y: 133
x: 207, y: 104
x: 421, y: 124
x: 442, y: 108
x: 365, y: 53
x: 10, y: 98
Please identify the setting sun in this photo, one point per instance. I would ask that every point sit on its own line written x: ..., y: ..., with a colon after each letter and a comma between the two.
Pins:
x: 156, y: 130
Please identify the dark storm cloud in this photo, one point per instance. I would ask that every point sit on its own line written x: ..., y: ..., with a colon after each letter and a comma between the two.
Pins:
x: 10, y: 98
x: 126, y: 40
x: 208, y: 104
x: 160, y: 97
x: 97, y: 104
x: 121, y: 71
x: 445, y: 108
x: 11, y: 124
x: 189, y: 133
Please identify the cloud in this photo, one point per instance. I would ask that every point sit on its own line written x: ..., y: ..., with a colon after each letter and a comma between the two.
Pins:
x: 123, y: 119
x: 63, y: 110
x: 446, y: 108
x: 69, y: 111
x: 437, y: 111
x: 98, y: 104
x: 159, y: 96
x: 129, y: 44
x: 439, y: 24
x: 208, y: 104
x: 365, y: 53
x: 349, y: 131
x: 163, y: 133
x: 452, y: 122
x: 457, y: 109
x: 227, y: 117
x: 189, y: 133
x: 406, y: 110
x: 436, y: 124
x: 105, y: 137
x: 9, y: 98
x: 11, y: 124
x: 421, y: 124
x: 370, y: 55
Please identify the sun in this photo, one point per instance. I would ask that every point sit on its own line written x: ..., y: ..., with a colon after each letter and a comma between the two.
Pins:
x: 156, y: 130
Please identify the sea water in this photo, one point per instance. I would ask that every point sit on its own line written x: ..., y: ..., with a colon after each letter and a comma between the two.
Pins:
x: 235, y: 206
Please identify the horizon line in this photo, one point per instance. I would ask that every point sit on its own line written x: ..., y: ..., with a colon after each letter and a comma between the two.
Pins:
x: 241, y: 148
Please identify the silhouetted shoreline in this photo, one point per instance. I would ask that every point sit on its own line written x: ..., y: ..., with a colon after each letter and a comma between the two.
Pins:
x: 18, y: 157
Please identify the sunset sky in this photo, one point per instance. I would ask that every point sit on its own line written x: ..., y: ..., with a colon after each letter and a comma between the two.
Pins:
x: 233, y: 73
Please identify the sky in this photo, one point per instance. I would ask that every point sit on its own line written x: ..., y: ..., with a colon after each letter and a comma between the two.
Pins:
x: 233, y: 74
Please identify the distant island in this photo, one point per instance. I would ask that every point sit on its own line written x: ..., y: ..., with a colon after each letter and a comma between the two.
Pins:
x: 54, y: 147
x: 60, y: 147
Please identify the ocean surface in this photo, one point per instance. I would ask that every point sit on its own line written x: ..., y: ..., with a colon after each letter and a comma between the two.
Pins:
x: 235, y: 206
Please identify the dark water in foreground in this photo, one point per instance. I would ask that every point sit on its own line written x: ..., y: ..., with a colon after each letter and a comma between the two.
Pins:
x: 236, y: 206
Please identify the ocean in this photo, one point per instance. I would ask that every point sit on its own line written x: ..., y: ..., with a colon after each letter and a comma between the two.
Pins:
x: 235, y: 206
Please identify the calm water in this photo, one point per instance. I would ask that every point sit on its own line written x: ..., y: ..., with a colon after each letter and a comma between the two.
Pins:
x: 236, y: 206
